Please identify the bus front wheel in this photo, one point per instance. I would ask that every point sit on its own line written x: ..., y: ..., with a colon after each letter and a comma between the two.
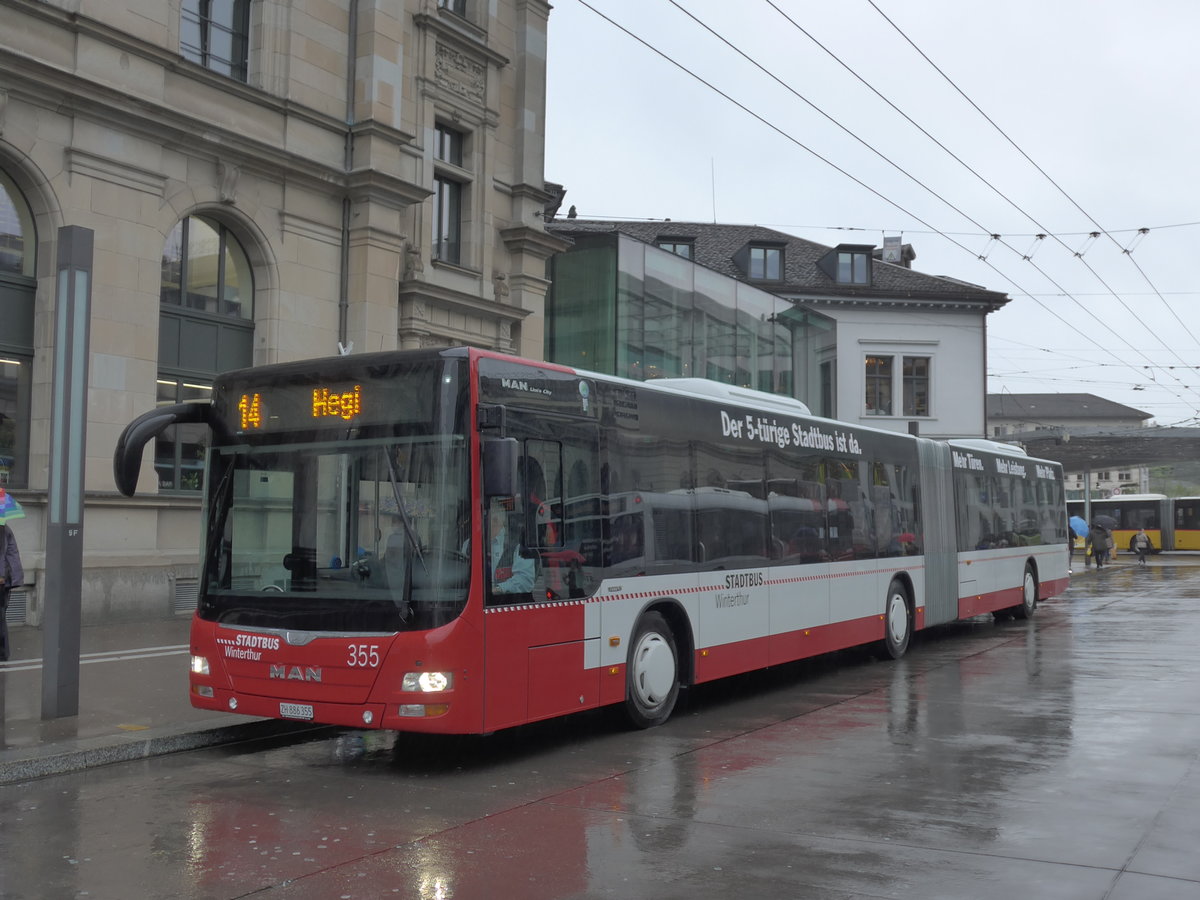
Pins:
x: 652, y: 672
x: 897, y: 621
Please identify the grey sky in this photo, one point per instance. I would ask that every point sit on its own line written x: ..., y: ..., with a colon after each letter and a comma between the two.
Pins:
x: 1097, y: 94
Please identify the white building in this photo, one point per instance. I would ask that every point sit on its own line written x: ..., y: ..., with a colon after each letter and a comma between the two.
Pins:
x: 873, y: 342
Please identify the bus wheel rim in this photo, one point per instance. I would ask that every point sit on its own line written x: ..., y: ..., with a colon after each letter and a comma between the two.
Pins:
x: 897, y: 618
x: 653, y: 670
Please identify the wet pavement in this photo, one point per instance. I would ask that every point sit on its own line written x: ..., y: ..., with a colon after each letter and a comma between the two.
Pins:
x: 132, y: 703
x: 1058, y: 758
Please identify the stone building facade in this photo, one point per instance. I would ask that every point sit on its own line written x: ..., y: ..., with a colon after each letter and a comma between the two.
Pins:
x: 266, y: 180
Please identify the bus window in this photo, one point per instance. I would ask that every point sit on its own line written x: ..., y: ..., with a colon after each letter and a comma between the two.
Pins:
x: 732, y: 528
x: 897, y: 530
x: 851, y: 535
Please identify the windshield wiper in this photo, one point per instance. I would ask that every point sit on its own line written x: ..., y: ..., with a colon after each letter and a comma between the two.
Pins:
x: 409, y: 531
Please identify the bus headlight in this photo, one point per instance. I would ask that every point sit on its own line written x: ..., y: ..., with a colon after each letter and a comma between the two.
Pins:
x: 427, y: 682
x: 199, y: 665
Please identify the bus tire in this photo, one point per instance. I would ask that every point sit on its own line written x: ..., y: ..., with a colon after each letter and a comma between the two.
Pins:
x: 897, y: 620
x: 1029, y: 593
x: 651, y: 672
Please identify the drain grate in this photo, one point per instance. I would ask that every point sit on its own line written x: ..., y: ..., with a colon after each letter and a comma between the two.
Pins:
x: 187, y: 590
x: 18, y: 606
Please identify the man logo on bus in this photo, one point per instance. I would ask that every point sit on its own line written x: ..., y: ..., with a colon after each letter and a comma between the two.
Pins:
x: 295, y: 673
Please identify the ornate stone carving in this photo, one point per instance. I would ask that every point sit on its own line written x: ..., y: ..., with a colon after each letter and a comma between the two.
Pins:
x: 500, y: 287
x: 413, y: 266
x: 228, y: 176
x: 460, y: 74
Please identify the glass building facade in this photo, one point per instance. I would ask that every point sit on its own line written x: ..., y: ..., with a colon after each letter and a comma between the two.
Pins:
x: 623, y: 307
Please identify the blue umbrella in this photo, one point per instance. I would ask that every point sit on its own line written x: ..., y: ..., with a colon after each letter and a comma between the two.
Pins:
x: 9, y: 508
x: 1078, y: 526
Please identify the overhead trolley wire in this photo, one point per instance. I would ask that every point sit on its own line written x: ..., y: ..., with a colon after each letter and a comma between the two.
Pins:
x: 993, y: 237
x: 1069, y: 325
x: 1126, y: 251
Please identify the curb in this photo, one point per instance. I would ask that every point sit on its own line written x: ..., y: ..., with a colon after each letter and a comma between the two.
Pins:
x: 38, y: 762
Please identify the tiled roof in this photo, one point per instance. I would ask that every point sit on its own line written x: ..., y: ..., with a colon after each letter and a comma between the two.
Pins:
x: 714, y: 246
x: 1051, y: 408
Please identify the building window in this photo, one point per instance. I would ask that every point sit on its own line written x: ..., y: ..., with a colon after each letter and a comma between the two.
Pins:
x: 678, y: 247
x: 448, y: 193
x: 18, y: 288
x: 766, y: 263
x: 827, y: 389
x: 458, y: 7
x: 205, y: 269
x: 205, y: 328
x: 916, y: 385
x: 448, y: 145
x: 15, y: 380
x: 17, y: 236
x: 447, y: 220
x: 878, y: 378
x: 216, y: 34
x: 853, y: 267
x: 179, y: 451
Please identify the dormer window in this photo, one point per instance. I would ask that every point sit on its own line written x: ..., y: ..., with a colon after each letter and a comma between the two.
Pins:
x: 678, y: 246
x: 766, y: 263
x: 848, y: 264
x: 853, y: 268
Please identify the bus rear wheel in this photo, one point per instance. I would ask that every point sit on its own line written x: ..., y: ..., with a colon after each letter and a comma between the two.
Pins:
x: 1029, y: 592
x: 897, y: 620
x: 651, y: 673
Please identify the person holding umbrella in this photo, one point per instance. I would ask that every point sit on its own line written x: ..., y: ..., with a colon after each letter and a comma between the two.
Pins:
x: 1098, y: 542
x: 1078, y: 529
x: 11, y: 572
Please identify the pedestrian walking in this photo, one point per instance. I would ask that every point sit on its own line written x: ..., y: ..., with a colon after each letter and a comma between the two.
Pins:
x: 1097, y: 542
x: 11, y: 575
x: 1141, y: 545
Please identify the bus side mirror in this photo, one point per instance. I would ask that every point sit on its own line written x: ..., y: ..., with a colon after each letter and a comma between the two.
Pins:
x: 127, y: 458
x: 500, y: 467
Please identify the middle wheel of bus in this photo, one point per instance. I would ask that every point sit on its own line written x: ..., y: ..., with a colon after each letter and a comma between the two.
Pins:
x: 652, y: 672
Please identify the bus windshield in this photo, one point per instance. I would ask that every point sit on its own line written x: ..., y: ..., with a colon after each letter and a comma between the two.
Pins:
x: 350, y: 538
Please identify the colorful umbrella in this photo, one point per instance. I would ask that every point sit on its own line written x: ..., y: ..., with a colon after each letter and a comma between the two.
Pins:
x: 9, y: 508
x: 1079, y: 526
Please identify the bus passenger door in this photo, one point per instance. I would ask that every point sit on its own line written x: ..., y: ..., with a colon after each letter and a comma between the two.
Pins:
x: 542, y: 656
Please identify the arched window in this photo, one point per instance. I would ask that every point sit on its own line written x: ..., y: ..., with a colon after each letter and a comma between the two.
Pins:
x: 206, y: 326
x: 18, y: 264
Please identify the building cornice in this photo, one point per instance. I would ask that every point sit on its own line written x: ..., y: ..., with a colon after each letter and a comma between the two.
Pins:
x: 37, y: 83
x: 459, y: 301
x: 463, y: 35
x: 534, y: 241
x: 896, y: 300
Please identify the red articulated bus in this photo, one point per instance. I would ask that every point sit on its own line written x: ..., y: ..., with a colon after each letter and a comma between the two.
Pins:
x: 459, y: 541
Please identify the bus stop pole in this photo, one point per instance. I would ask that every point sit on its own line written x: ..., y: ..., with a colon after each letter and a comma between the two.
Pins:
x: 62, y: 594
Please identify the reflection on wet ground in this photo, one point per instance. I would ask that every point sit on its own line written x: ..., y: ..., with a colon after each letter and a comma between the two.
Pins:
x: 1056, y: 758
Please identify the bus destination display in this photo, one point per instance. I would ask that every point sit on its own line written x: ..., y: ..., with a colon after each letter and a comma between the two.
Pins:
x: 288, y: 409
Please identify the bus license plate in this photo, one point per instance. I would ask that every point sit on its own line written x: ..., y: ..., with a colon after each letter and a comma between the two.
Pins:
x: 296, y: 711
